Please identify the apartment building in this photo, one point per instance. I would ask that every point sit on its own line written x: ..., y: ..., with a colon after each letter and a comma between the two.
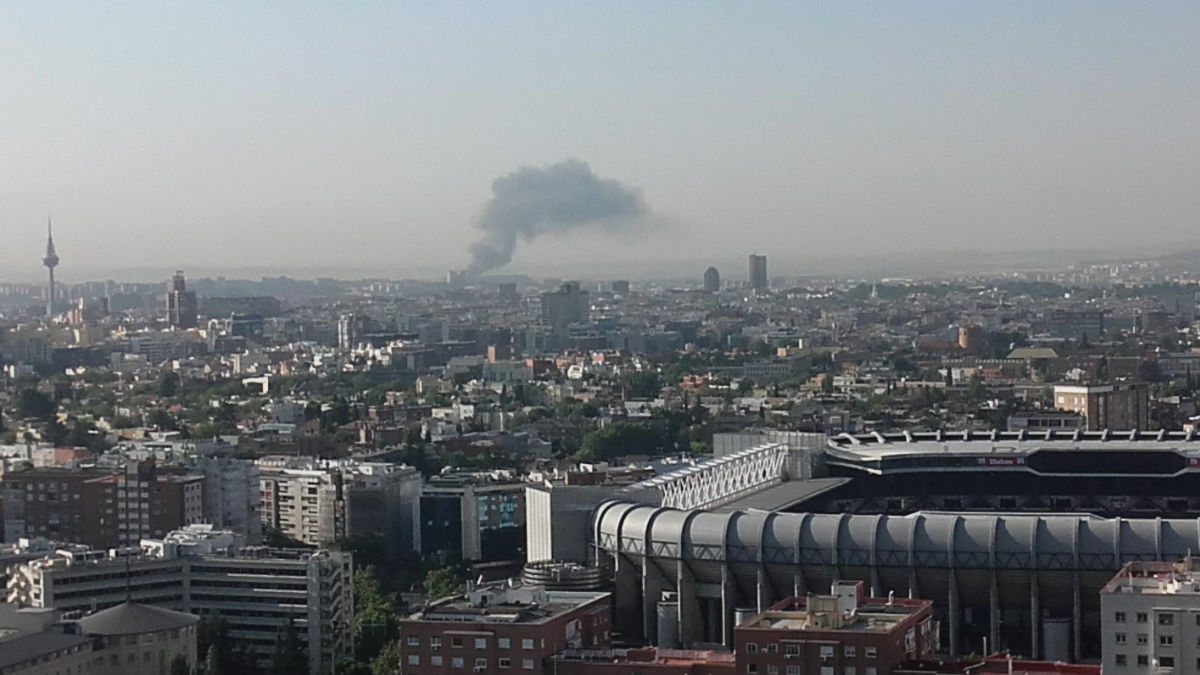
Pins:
x: 1150, y: 618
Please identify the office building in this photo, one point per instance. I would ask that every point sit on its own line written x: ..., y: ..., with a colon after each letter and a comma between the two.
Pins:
x: 199, y: 570
x: 475, y: 517
x: 758, y: 272
x: 565, y: 306
x: 1118, y: 406
x: 1150, y: 618
x: 181, y: 303
x: 503, y: 628
x: 843, y: 632
x: 712, y: 280
x: 620, y: 287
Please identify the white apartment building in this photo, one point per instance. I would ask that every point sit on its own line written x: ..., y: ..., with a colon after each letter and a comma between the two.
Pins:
x: 231, y: 494
x: 199, y: 570
x: 1150, y: 618
x: 308, y: 505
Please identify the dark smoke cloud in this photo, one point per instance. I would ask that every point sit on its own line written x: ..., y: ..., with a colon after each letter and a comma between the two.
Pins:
x: 558, y: 198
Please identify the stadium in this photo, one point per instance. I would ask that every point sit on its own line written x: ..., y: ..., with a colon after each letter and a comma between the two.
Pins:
x: 1011, y: 535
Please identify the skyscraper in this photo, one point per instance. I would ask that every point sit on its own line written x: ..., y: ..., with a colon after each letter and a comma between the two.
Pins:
x: 758, y: 272
x: 712, y: 280
x: 565, y: 306
x: 181, y: 303
x: 50, y: 261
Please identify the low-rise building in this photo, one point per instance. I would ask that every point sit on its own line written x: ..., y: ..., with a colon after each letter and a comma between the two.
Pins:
x: 503, y: 628
x: 843, y: 632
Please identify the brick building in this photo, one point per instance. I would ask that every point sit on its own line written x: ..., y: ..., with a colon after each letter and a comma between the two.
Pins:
x: 643, y: 661
x: 843, y: 634
x: 503, y: 628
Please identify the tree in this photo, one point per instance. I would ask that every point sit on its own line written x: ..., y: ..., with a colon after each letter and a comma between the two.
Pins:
x: 179, y: 666
x: 442, y: 582
x: 387, y: 661
x: 289, y: 657
x: 33, y: 403
x: 376, y: 616
x: 168, y: 384
x: 620, y: 438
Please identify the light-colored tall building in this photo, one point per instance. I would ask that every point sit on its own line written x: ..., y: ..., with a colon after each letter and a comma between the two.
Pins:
x: 1119, y: 406
x: 1150, y: 618
x: 231, y: 494
x: 758, y: 272
x: 308, y: 505
x: 199, y: 570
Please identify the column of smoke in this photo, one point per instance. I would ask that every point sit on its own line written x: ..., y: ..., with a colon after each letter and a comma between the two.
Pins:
x: 563, y: 197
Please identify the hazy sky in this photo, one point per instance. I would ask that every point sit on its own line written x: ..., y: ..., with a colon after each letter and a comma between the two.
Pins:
x: 164, y: 134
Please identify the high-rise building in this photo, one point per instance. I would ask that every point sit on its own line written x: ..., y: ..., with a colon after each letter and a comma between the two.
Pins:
x: 567, y: 305
x: 308, y: 505
x: 758, y: 272
x: 620, y: 287
x: 712, y: 280
x: 199, y: 570
x: 181, y: 303
x: 50, y: 260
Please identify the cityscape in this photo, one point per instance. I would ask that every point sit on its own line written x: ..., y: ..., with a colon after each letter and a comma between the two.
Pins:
x: 862, y: 342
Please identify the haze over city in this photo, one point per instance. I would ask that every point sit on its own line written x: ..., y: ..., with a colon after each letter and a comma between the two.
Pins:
x: 367, y: 137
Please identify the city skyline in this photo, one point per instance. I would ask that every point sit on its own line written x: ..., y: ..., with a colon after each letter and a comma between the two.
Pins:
x: 248, y: 138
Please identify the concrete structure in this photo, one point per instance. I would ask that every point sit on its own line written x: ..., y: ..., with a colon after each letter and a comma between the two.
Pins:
x: 712, y: 280
x: 385, y: 499
x: 1123, y: 405
x: 182, y: 309
x: 136, y: 639
x: 1150, y: 618
x: 308, y: 505
x: 843, y: 632
x: 758, y: 272
x: 231, y: 494
x: 199, y: 570
x: 1021, y: 567
x: 972, y: 339
x: 503, y: 628
x: 50, y: 261
x: 644, y: 661
x: 568, y: 305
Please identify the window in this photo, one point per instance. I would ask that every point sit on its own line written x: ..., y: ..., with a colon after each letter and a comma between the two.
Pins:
x: 793, y: 670
x: 870, y: 670
x: 1120, y: 638
x: 414, y: 660
x: 414, y: 641
x: 851, y: 670
x: 1120, y: 659
x: 1165, y: 619
x: 1166, y: 640
x: 1142, y: 638
x: 506, y: 663
x: 527, y: 664
x: 869, y: 652
x: 1166, y: 661
x: 456, y: 642
x: 480, y: 664
x: 435, y: 660
x: 791, y: 649
x: 772, y: 669
x: 1119, y: 617
x: 435, y: 643
x: 773, y: 648
x: 751, y: 668
x: 503, y: 643
x: 751, y: 647
x: 526, y: 643
x: 1143, y: 660
x: 456, y: 662
x: 849, y: 651
x: 480, y: 643
x: 1142, y: 617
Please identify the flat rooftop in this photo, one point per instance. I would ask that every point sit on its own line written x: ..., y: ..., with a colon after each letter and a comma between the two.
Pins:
x: 782, y: 496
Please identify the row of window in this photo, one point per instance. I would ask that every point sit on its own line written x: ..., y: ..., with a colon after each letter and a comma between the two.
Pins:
x: 1163, y: 618
x: 1144, y: 660
x: 1143, y: 639
x: 458, y: 642
x: 795, y: 669
x: 458, y: 662
x: 792, y: 648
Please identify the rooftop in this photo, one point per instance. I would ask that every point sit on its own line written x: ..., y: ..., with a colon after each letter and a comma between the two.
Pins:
x: 1156, y: 578
x: 23, y: 648
x: 131, y: 618
x: 506, y: 602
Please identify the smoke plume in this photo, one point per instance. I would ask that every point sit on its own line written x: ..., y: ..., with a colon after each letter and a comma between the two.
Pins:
x: 530, y: 202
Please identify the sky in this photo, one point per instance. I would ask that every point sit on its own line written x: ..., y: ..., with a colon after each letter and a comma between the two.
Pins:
x: 367, y: 135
